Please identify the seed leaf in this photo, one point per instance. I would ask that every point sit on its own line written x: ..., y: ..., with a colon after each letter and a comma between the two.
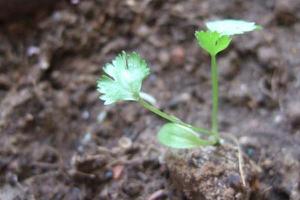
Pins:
x: 232, y: 27
x: 123, y: 78
x: 212, y: 42
x: 178, y: 136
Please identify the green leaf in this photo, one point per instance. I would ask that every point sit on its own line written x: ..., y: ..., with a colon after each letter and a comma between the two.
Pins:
x: 178, y: 136
x: 212, y: 42
x: 123, y: 79
x: 232, y: 27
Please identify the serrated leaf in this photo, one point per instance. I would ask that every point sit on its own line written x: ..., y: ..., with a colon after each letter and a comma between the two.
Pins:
x: 231, y: 27
x: 212, y: 42
x: 178, y: 136
x: 123, y: 78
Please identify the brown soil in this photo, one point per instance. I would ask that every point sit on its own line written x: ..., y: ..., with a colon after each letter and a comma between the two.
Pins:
x: 213, y: 173
x: 58, y: 141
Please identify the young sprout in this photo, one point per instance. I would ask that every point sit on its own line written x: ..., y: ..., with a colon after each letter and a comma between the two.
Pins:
x: 123, y: 79
x: 214, y: 40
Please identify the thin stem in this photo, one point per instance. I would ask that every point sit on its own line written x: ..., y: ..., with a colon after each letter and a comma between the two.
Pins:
x: 172, y: 118
x: 215, y: 96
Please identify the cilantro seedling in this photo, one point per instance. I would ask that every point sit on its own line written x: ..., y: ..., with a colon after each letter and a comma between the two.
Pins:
x: 123, y: 79
x: 214, y: 40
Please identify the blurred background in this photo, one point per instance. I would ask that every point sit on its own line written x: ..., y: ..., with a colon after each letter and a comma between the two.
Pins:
x: 58, y: 140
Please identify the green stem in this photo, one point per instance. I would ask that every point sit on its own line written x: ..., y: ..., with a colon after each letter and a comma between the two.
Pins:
x: 215, y: 96
x: 172, y: 118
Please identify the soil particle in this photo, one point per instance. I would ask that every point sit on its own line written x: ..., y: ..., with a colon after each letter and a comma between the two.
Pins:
x: 286, y: 12
x: 4, y: 83
x: 273, y: 162
x: 117, y: 171
x: 210, y: 173
x: 17, y: 8
x: 293, y: 112
x: 132, y: 188
x: 268, y: 56
x: 229, y: 65
x: 238, y: 94
x: 159, y: 194
x: 178, y: 56
x: 89, y: 163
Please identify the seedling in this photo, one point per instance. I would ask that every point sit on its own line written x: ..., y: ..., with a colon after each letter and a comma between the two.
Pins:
x: 125, y: 74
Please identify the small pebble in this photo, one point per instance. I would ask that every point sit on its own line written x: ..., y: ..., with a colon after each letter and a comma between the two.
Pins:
x: 33, y: 50
x: 117, y: 171
x: 178, y: 55
x: 44, y: 63
x: 125, y: 142
x: 143, y: 31
x: 278, y: 119
x: 267, y: 164
x: 101, y: 116
x: 86, y: 138
x: 164, y: 57
x: 85, y: 114
x: 108, y: 175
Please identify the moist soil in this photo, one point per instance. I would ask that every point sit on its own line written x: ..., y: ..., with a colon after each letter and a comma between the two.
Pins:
x: 58, y: 140
x: 213, y: 173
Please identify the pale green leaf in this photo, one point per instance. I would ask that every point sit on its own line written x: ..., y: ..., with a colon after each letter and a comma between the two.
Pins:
x: 212, y: 42
x: 123, y: 78
x: 178, y: 136
x: 231, y: 27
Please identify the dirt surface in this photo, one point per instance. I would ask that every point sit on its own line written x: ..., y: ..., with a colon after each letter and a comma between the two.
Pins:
x: 58, y: 141
x: 17, y: 9
x: 213, y: 173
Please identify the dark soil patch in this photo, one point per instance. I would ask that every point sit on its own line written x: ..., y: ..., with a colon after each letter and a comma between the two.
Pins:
x: 58, y: 141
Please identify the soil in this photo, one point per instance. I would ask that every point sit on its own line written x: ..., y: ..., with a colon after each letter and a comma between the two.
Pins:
x: 213, y: 173
x: 58, y: 141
